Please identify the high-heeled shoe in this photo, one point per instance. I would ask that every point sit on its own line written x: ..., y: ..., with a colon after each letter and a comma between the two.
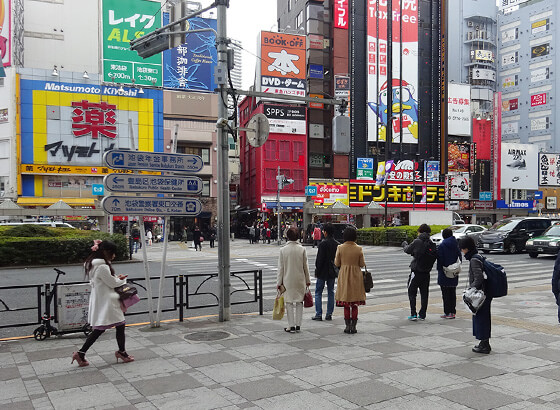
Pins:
x: 81, y: 362
x: 127, y: 359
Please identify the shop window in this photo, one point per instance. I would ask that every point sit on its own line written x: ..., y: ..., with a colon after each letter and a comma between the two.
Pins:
x: 299, y: 20
x: 315, y: 11
x: 289, y: 8
x: 297, y: 151
x: 204, y: 153
x: 205, y: 188
x: 270, y: 151
x: 284, y: 151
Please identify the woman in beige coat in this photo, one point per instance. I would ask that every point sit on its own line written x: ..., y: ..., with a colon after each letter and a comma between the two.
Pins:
x: 293, y: 276
x: 350, y: 291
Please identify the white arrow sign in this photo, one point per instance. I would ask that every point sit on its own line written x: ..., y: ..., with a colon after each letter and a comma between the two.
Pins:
x: 153, y: 183
x: 152, y: 161
x: 131, y: 205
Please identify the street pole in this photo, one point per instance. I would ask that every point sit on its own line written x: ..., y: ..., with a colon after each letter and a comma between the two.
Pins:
x: 223, y: 177
x: 389, y: 133
x: 278, y: 212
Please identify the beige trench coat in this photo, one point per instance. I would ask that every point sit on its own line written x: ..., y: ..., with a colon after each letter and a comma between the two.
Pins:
x: 350, y: 287
x: 293, y: 271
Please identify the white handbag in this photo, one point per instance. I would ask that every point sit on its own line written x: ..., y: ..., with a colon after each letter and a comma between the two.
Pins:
x: 453, y: 270
x: 474, y: 299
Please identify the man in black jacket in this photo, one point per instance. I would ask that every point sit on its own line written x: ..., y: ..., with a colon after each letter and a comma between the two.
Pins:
x: 325, y: 273
x: 556, y: 283
x: 423, y: 254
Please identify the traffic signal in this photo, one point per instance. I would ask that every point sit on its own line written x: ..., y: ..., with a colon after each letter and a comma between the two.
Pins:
x: 283, y: 181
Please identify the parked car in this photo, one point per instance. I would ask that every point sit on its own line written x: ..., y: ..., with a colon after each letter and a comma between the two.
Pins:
x: 548, y: 242
x: 511, y: 234
x: 461, y: 231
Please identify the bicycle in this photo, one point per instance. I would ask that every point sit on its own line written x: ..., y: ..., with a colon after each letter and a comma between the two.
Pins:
x: 46, y: 329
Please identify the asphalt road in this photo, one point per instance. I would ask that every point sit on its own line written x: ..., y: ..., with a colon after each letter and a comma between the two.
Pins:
x: 388, y: 265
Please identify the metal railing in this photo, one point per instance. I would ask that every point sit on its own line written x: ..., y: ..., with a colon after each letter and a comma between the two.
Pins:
x: 187, y: 292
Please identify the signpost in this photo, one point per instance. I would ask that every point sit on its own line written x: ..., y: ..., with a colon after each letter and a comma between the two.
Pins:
x: 137, y: 205
x: 484, y: 196
x: 161, y: 184
x: 152, y: 161
x: 311, y: 190
x: 364, y: 169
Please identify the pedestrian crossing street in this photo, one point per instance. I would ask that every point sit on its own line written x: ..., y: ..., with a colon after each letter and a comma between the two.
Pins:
x: 389, y: 267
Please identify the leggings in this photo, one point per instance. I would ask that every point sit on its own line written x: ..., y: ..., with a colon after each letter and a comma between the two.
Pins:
x: 94, y: 335
x: 353, y: 315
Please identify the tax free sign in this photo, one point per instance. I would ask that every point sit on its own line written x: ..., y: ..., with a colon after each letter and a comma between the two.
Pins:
x: 123, y: 21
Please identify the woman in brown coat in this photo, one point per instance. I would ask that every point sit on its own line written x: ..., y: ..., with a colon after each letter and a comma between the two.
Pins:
x: 350, y: 291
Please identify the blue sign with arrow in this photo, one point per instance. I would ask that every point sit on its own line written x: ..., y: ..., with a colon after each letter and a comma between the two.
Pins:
x: 152, y: 161
x: 153, y: 183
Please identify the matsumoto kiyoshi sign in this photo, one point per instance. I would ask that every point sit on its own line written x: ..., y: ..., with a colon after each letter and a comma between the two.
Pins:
x: 123, y: 21
x: 72, y: 124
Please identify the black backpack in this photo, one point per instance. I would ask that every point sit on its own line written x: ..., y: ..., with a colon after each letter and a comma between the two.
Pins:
x: 496, y: 282
x: 426, y: 256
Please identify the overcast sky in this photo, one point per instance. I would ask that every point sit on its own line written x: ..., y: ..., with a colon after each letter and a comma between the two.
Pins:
x: 245, y: 19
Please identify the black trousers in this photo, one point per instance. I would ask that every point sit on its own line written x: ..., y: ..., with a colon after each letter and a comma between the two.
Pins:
x: 418, y: 281
x: 448, y: 294
x: 481, y: 324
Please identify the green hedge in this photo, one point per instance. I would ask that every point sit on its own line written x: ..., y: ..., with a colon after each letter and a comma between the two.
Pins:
x: 67, y: 246
x: 392, y: 236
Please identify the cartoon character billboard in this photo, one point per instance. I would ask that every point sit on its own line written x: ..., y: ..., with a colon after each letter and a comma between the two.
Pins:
x: 403, y: 117
x: 191, y: 65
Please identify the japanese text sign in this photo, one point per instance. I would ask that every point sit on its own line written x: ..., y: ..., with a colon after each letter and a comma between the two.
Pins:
x: 94, y: 119
x: 538, y: 99
x: 191, y: 65
x: 147, y: 183
x: 341, y: 14
x: 123, y: 21
x: 431, y: 194
x: 152, y: 161
x: 129, y: 205
x: 549, y: 169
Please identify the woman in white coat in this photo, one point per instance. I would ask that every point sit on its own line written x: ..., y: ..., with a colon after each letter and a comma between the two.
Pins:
x: 104, y: 306
x: 293, y: 275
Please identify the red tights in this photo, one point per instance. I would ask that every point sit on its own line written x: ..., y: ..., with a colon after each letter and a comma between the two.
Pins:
x: 353, y: 315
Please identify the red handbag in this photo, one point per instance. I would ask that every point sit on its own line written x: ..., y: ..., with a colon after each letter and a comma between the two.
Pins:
x: 307, y: 299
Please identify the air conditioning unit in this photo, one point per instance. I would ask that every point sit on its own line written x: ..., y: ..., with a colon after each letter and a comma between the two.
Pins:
x: 469, y: 24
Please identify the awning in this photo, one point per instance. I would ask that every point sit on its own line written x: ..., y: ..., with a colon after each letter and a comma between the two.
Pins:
x: 42, y: 201
x: 293, y: 205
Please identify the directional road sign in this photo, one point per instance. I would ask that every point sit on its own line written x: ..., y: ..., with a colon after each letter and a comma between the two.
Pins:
x: 365, y: 163
x: 132, y: 205
x: 152, y: 161
x: 151, y: 183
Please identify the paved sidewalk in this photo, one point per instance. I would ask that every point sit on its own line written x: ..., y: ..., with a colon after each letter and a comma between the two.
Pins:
x: 390, y: 364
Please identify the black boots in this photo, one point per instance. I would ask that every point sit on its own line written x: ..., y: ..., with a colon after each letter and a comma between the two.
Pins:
x: 483, y: 347
x: 348, y: 325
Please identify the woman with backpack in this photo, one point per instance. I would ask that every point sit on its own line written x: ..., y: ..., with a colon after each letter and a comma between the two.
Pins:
x: 424, y: 255
x: 448, y: 254
x: 481, y: 320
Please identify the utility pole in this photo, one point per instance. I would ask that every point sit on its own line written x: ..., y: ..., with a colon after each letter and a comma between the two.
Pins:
x: 223, y: 175
x: 389, y: 132
x: 278, y: 209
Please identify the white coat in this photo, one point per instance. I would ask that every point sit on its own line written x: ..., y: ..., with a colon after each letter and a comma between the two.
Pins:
x: 104, y: 305
x: 293, y: 271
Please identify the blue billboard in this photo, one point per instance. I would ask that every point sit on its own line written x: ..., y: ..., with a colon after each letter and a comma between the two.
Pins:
x: 191, y: 65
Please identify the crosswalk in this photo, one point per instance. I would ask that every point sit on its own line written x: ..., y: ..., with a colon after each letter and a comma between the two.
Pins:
x: 390, y: 270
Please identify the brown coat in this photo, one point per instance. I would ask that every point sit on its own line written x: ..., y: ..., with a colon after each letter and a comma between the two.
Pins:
x: 350, y: 288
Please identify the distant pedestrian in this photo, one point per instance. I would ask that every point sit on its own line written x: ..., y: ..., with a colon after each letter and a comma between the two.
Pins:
x: 197, y: 238
x: 350, y: 292
x: 293, y: 276
x: 104, y: 306
x: 556, y: 283
x: 252, y: 234
x: 448, y: 253
x: 149, y: 237
x: 325, y: 273
x: 481, y: 321
x: 135, y: 233
x: 257, y: 233
x: 424, y: 255
x: 396, y: 221
x: 268, y: 235
x: 316, y: 235
x: 212, y: 236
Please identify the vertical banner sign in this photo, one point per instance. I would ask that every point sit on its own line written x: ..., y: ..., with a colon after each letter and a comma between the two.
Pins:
x: 282, y: 64
x: 496, y: 144
x: 407, y: 80
x: 342, y: 90
x: 459, y: 109
x: 123, y: 21
x: 6, y: 32
x: 191, y: 65
x: 549, y: 169
x: 341, y: 14
x: 482, y: 137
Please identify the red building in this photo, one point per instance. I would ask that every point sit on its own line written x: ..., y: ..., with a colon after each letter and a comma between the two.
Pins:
x: 286, y: 148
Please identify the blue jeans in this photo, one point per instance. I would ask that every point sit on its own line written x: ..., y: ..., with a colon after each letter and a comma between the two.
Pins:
x: 319, y: 286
